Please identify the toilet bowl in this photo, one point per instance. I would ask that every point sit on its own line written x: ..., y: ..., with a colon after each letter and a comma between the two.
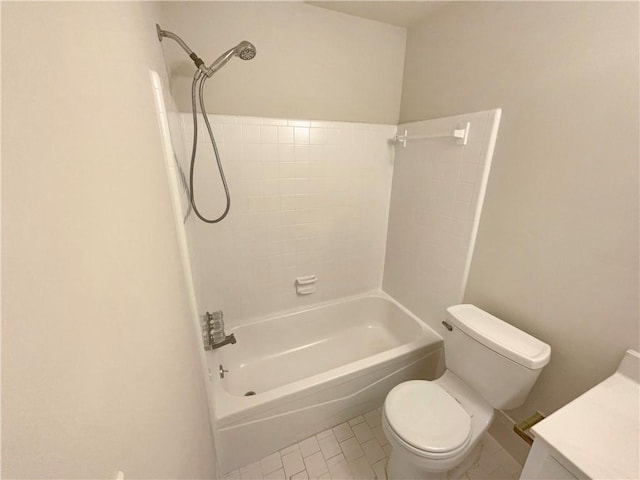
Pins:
x: 433, y: 426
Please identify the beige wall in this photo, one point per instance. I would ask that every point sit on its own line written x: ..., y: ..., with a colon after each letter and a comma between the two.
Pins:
x: 100, y: 366
x: 311, y: 63
x: 557, y: 251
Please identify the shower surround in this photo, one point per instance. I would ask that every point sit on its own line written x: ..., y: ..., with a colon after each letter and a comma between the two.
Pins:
x: 307, y: 198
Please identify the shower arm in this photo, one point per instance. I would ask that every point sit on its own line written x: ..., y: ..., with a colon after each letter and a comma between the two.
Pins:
x: 197, y: 60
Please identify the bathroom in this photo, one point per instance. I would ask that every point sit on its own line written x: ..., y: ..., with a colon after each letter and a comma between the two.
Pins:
x: 101, y: 361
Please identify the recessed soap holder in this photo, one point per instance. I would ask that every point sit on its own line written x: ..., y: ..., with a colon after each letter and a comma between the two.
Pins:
x: 306, y: 285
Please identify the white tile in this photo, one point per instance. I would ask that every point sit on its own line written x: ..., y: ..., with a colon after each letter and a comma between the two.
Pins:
x: 372, y: 451
x: 339, y: 467
x: 316, y: 136
x: 271, y: 463
x: 269, y: 133
x: 326, y: 433
x: 342, y: 432
x: 329, y: 446
x: 277, y: 475
x: 351, y: 449
x: 285, y: 134
x: 289, y: 449
x: 301, y: 135
x: 362, y: 432
x: 251, y: 471
x: 293, y: 463
x: 232, y: 133
x: 303, y: 475
x: 378, y: 433
x: 360, y: 468
x: 251, y: 134
x: 310, y: 445
x: 356, y: 420
x: 373, y: 418
x: 380, y: 469
x: 315, y: 465
x: 299, y: 123
x: 386, y: 449
x: 489, y: 444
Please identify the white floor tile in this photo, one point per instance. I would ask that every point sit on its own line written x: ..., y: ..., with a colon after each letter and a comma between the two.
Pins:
x: 251, y: 471
x: 303, y: 475
x: 342, y: 432
x: 362, y: 432
x: 351, y: 449
x: 329, y: 446
x: 292, y: 463
x: 380, y: 469
x: 315, y: 464
x: 338, y: 467
x: 373, y: 418
x: 271, y: 463
x: 361, y: 469
x: 356, y: 420
x: 277, y: 475
x: 378, y: 433
x: 386, y: 449
x: 289, y: 449
x: 372, y: 451
x: 309, y: 446
x: 324, y: 434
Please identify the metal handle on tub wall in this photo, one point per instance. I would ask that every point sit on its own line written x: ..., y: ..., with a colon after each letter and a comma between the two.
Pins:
x: 222, y: 371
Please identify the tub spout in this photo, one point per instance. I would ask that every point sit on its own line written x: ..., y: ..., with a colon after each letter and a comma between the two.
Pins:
x: 231, y: 338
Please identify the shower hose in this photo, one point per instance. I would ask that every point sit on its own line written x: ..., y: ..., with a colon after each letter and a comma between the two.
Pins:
x: 202, y: 78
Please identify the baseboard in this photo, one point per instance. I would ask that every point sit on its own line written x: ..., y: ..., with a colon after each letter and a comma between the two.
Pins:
x: 502, y: 430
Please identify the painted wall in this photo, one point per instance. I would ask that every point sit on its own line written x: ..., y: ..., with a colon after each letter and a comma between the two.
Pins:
x: 557, y: 250
x: 312, y: 63
x: 100, y: 368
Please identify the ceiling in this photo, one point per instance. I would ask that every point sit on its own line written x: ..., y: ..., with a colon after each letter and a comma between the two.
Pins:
x: 400, y: 13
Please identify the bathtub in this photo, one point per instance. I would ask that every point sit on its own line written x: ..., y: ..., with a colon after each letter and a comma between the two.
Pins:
x: 297, y: 374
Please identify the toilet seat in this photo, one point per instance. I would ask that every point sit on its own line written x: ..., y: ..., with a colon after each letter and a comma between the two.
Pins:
x: 427, y: 419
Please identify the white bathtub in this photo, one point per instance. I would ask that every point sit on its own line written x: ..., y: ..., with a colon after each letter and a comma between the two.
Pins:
x: 313, y: 369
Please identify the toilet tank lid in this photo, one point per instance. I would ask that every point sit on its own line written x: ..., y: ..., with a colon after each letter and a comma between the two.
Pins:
x: 499, y: 336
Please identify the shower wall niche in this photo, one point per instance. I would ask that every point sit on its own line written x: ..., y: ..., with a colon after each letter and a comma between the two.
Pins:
x: 307, y: 198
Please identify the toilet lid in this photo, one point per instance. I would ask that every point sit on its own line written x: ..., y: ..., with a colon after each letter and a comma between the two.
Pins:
x: 424, y: 415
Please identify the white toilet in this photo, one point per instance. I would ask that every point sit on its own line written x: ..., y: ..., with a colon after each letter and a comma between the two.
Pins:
x: 433, y: 426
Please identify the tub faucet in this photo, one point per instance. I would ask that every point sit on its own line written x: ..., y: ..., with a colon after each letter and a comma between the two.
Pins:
x: 213, y: 334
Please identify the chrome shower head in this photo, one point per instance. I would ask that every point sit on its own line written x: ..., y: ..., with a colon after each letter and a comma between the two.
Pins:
x: 245, y: 50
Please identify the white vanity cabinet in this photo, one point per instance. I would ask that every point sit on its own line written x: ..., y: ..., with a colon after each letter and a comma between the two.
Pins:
x: 596, y: 436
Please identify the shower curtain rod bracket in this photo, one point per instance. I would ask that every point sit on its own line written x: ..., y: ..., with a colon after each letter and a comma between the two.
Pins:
x: 461, y: 135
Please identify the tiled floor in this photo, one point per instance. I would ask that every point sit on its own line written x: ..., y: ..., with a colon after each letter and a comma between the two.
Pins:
x: 359, y: 449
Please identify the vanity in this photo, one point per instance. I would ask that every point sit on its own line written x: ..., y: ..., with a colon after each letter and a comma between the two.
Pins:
x: 596, y: 436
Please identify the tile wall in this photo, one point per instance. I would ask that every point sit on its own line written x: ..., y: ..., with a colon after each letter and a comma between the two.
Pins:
x: 307, y: 198
x: 436, y: 201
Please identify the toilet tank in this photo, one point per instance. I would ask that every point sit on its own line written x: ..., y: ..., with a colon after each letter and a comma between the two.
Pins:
x: 496, y: 359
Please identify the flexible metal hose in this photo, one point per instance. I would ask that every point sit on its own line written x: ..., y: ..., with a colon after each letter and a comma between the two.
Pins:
x: 198, y: 76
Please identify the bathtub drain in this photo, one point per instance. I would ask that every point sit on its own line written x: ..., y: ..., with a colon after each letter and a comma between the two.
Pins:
x: 249, y: 393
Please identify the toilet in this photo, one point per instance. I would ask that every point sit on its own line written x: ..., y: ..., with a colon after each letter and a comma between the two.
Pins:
x: 432, y: 426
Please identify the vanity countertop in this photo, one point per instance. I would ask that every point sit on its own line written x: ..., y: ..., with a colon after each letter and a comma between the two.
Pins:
x: 599, y: 432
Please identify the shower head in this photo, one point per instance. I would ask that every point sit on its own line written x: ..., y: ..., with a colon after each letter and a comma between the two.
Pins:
x: 245, y: 50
